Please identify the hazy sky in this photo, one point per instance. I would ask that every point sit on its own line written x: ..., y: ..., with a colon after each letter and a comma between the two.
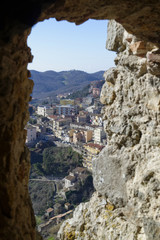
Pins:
x: 64, y: 46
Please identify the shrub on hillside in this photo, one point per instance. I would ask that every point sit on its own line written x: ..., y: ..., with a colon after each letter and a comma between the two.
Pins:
x: 59, y: 161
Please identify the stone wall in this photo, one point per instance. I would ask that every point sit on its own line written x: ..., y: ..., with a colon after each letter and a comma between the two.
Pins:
x: 132, y: 87
x: 14, y: 156
x: 127, y: 172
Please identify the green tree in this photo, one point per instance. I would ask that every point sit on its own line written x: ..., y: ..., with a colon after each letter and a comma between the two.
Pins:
x: 59, y: 161
x: 32, y: 121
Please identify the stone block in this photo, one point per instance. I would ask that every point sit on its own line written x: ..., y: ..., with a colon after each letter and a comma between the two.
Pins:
x: 114, y: 36
x: 108, y: 177
x: 127, y: 38
x: 153, y: 68
x: 151, y: 57
x: 138, y: 48
x: 107, y: 94
x: 110, y: 75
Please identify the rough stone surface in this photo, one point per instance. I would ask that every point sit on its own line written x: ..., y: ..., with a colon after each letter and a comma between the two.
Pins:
x: 131, y: 113
x: 127, y: 171
x: 139, y: 48
x: 100, y: 220
x: 140, y: 18
x: 16, y: 215
x: 115, y: 33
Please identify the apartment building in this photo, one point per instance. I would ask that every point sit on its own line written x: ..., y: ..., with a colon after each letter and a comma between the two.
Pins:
x: 80, y: 135
x: 91, y: 150
x: 31, y: 134
x: 45, y: 111
x: 60, y: 125
x: 66, y: 110
x: 99, y: 135
x: 96, y: 119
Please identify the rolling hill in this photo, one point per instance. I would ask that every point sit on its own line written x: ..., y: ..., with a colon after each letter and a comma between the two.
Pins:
x: 51, y: 83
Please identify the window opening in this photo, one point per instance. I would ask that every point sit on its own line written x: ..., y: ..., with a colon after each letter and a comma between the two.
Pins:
x: 65, y: 130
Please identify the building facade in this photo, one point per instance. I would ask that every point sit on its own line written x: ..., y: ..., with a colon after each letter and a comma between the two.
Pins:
x: 69, y: 181
x: 99, y: 135
x: 45, y: 111
x: 66, y: 110
x: 31, y: 134
x: 61, y: 126
x: 80, y: 135
x: 96, y: 92
x: 91, y: 150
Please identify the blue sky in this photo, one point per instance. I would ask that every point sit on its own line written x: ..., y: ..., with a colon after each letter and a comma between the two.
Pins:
x: 62, y: 46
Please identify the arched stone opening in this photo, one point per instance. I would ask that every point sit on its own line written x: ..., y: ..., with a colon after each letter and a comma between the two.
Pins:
x: 139, y: 18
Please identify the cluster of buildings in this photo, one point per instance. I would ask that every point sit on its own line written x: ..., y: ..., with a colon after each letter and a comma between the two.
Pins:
x: 75, y: 122
x: 76, y: 176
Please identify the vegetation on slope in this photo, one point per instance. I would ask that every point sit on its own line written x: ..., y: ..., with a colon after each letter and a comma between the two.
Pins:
x: 55, y: 161
x: 59, y: 161
x: 51, y: 83
x: 81, y: 93
x: 41, y: 193
x: 82, y: 192
x: 51, y: 161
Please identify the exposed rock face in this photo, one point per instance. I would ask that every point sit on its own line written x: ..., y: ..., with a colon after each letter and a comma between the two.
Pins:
x: 127, y: 171
x: 131, y: 112
x: 98, y: 220
x: 140, y: 18
x: 16, y: 207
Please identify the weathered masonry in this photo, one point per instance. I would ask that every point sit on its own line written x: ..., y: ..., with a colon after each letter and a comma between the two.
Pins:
x: 131, y: 114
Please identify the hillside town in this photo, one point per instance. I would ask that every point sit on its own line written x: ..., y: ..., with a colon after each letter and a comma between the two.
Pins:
x: 70, y: 122
x: 66, y: 134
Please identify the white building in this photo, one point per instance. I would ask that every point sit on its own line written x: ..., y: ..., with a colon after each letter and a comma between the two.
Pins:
x: 99, y: 135
x: 69, y: 181
x: 40, y: 110
x: 31, y: 134
x: 60, y: 126
x: 44, y: 111
x: 96, y: 119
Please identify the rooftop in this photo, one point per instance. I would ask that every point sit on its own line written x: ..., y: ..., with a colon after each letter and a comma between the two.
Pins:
x: 53, y: 116
x: 79, y: 169
x: 30, y: 127
x: 64, y: 119
x: 83, y: 125
x: 67, y: 204
x: 94, y: 145
x: 66, y: 106
x: 70, y: 178
x: 49, y: 210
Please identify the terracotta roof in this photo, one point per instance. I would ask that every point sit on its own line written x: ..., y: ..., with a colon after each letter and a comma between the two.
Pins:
x: 64, y: 119
x: 53, y: 116
x: 49, y: 210
x: 94, y: 145
x: 79, y: 169
x: 96, y: 88
x: 70, y: 178
x: 67, y: 204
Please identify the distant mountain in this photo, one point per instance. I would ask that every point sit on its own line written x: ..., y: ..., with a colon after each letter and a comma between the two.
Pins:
x: 52, y: 83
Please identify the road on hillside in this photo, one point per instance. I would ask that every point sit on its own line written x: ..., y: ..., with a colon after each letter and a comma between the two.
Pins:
x: 45, y: 179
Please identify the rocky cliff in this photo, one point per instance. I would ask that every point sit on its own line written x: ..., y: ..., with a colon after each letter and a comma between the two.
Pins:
x: 127, y: 171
